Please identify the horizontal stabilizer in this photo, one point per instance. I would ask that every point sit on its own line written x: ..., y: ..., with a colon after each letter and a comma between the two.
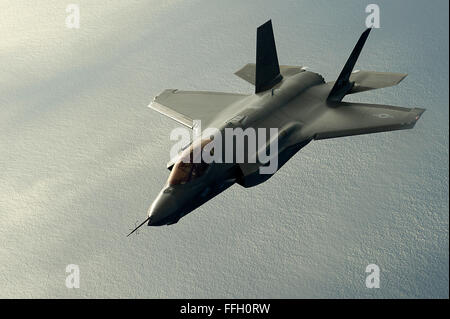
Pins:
x: 370, y: 80
x: 248, y: 71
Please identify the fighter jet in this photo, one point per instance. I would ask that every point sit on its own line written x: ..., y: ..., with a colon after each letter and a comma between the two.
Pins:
x: 295, y: 101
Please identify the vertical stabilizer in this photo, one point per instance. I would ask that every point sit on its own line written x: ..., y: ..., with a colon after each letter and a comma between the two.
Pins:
x: 267, y: 68
x: 342, y: 86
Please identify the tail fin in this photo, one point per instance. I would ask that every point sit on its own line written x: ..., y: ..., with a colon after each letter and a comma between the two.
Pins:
x: 342, y: 85
x: 267, y: 68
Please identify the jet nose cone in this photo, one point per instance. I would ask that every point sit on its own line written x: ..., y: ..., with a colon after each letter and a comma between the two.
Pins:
x: 163, y: 210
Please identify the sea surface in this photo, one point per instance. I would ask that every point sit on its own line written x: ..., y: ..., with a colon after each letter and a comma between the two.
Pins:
x: 82, y: 156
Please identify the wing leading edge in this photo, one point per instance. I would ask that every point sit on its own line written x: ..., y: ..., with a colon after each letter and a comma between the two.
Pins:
x: 345, y: 119
x: 187, y: 106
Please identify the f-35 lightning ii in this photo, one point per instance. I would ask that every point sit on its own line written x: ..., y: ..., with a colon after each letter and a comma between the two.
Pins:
x: 297, y: 102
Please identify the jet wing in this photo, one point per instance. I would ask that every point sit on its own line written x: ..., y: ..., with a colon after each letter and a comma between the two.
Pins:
x: 187, y: 106
x: 345, y: 119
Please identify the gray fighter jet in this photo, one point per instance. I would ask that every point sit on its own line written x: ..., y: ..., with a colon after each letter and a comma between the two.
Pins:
x: 298, y: 103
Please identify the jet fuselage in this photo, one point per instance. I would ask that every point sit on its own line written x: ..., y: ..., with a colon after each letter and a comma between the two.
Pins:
x: 270, y: 109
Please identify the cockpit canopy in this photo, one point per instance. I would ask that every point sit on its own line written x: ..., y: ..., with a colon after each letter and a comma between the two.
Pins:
x: 190, y: 164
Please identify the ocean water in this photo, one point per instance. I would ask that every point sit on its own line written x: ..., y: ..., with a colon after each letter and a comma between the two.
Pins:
x: 82, y: 157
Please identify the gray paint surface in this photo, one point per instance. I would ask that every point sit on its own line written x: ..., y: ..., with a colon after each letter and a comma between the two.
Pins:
x: 82, y: 155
